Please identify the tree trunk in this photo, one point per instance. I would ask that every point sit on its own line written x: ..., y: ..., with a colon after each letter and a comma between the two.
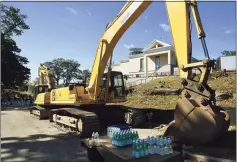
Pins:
x: 57, y: 80
x: 166, y: 91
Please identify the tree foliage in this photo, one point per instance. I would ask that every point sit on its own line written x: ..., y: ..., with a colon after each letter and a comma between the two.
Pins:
x: 65, y: 70
x: 86, y: 75
x: 228, y: 53
x: 12, y: 21
x: 14, y: 71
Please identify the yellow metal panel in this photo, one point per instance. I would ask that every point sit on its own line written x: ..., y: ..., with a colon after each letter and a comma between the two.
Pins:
x: 179, y: 24
x: 60, y: 94
x: 197, y: 20
x: 45, y: 75
x: 42, y: 99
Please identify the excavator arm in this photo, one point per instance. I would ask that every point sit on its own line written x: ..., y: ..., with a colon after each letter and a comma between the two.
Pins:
x: 114, y: 31
x: 45, y: 76
x: 197, y: 118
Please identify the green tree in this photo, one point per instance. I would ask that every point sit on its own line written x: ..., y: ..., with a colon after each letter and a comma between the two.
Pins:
x: 32, y: 85
x: 71, y: 71
x: 86, y: 74
x: 56, y: 67
x: 14, y: 71
x: 228, y: 53
x: 64, y: 69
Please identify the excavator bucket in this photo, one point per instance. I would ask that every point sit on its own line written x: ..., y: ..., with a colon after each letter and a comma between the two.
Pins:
x: 197, y: 124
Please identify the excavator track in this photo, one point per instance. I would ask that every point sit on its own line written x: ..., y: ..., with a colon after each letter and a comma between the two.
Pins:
x: 81, y: 121
x: 40, y: 112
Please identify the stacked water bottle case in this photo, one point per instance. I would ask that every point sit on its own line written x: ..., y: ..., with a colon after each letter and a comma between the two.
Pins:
x: 152, y: 145
x: 140, y: 147
x: 121, y: 137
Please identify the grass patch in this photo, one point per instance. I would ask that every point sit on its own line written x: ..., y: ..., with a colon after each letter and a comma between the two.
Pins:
x: 140, y: 98
x: 224, y: 84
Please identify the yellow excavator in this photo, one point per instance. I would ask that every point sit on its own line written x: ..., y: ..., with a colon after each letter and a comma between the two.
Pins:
x: 197, y: 119
x: 42, y: 92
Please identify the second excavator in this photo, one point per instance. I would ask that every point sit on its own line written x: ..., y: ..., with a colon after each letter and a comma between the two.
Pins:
x: 197, y: 118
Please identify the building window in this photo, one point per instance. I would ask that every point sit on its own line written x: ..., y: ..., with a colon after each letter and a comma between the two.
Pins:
x: 141, y: 65
x: 157, y: 62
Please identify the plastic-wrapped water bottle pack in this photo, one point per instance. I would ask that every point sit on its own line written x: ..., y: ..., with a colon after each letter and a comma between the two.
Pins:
x: 152, y: 145
x: 121, y: 138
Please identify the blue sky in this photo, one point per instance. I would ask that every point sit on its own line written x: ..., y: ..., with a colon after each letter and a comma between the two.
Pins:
x: 71, y: 30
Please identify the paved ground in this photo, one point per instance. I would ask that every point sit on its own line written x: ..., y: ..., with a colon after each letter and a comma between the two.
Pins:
x: 25, y: 138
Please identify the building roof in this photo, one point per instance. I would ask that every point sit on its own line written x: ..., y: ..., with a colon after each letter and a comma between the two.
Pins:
x: 123, y: 61
x: 156, y: 42
x: 135, y: 49
x: 195, y: 60
x: 158, y: 49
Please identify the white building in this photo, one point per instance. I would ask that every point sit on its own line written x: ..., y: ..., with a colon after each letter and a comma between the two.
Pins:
x: 158, y: 58
x: 226, y: 62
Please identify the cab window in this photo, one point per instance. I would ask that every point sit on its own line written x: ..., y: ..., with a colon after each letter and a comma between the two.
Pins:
x: 118, y: 81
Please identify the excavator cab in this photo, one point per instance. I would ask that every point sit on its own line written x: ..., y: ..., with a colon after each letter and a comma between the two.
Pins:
x: 116, y: 85
x: 41, y: 89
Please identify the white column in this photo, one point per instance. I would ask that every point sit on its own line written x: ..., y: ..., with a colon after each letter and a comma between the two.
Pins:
x: 169, y: 57
x: 169, y: 62
x: 145, y: 66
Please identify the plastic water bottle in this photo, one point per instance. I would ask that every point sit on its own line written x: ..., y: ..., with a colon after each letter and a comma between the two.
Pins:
x: 142, y: 146
x: 130, y: 137
x: 137, y: 150
x: 115, y: 139
x: 110, y: 134
x: 162, y: 149
x: 170, y: 146
x: 117, y: 135
x: 166, y: 148
x: 93, y: 137
x: 136, y: 135
x: 149, y: 146
x: 108, y: 131
x: 97, y: 137
x: 133, y: 150
x: 120, y: 139
x: 125, y: 138
x: 158, y: 147
x: 152, y: 147
x: 146, y: 149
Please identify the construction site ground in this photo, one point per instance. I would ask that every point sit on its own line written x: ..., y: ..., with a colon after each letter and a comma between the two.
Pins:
x: 25, y: 138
